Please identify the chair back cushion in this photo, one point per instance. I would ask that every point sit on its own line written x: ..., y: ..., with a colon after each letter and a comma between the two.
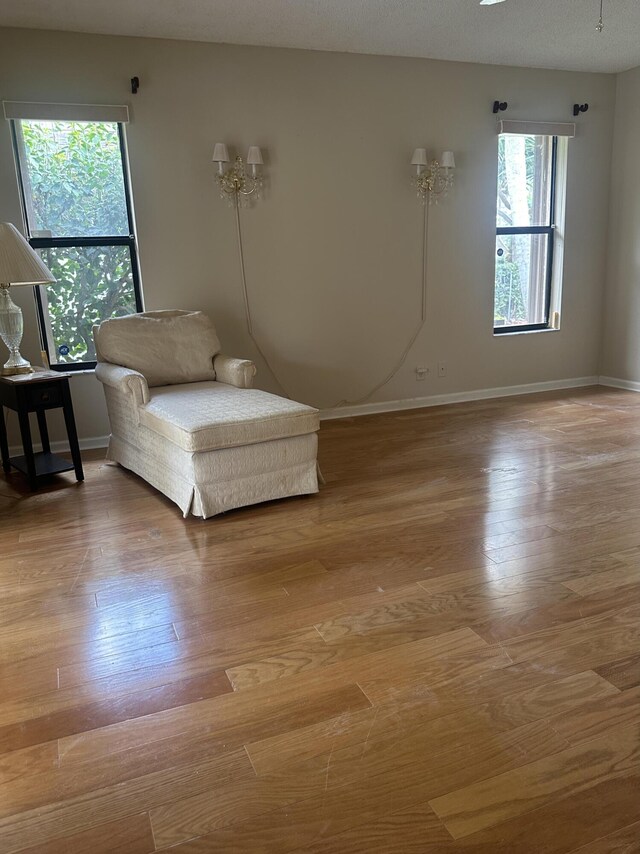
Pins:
x: 166, y: 347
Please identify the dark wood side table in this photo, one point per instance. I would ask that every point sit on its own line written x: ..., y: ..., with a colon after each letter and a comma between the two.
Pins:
x: 38, y: 392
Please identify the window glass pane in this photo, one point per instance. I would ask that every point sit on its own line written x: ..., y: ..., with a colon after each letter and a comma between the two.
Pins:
x: 524, y: 180
x: 521, y: 265
x: 93, y: 284
x: 73, y: 178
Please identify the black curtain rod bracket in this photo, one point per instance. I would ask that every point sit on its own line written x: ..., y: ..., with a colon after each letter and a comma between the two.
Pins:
x: 499, y: 106
x: 135, y: 85
x: 580, y: 108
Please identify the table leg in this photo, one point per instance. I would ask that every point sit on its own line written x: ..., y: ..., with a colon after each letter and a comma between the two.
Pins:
x: 25, y: 432
x: 70, y: 423
x: 4, y: 443
x: 44, y: 432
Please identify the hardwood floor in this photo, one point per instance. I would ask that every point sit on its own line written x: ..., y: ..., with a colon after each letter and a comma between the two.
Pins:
x: 438, y: 653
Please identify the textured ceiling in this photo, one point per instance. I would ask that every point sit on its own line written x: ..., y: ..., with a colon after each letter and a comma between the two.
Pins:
x: 542, y: 33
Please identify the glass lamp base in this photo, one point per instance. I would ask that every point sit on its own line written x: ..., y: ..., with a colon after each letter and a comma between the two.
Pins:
x: 19, y: 369
x: 11, y: 334
x: 15, y: 364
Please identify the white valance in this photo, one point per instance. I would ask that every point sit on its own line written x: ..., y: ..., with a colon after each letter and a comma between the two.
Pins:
x: 66, y: 112
x: 537, y: 128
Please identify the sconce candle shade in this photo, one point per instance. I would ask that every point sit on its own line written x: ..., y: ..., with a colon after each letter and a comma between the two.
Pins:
x: 241, y: 181
x: 432, y: 179
x: 448, y: 160
x: 220, y: 153
x: 254, y: 156
x: 419, y: 157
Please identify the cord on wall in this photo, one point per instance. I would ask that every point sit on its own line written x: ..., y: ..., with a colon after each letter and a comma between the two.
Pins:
x: 245, y: 295
x: 412, y: 340
x: 405, y: 352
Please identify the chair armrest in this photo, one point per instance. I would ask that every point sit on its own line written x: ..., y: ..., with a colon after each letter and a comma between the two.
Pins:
x: 124, y: 380
x: 237, y: 372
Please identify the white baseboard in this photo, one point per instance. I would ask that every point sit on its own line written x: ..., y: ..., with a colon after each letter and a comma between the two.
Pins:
x: 614, y: 382
x: 62, y: 447
x: 408, y: 403
x: 455, y: 397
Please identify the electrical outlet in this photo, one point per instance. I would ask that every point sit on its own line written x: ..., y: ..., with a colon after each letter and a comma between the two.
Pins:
x: 421, y: 373
x: 442, y: 369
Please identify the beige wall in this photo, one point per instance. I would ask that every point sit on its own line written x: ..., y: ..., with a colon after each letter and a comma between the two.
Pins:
x: 333, y: 252
x: 621, y: 341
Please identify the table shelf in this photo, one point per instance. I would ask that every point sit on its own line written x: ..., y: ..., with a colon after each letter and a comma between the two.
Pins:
x: 38, y: 392
x: 45, y: 463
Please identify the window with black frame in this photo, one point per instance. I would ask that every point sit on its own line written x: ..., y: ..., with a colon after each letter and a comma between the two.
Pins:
x: 525, y: 231
x: 77, y: 206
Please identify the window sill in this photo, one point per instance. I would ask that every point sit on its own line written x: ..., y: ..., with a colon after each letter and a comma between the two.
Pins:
x: 73, y: 372
x: 524, y: 332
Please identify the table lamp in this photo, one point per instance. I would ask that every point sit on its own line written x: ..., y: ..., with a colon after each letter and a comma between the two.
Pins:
x: 19, y: 265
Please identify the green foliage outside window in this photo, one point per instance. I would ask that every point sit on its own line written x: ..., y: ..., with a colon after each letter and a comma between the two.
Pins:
x: 74, y: 187
x: 509, y: 305
x: 522, y: 201
x: 93, y: 284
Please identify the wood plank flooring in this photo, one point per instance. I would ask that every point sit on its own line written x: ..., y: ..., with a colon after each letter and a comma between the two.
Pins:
x: 440, y: 652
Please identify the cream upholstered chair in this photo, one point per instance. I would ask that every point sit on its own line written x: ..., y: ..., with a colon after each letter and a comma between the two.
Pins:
x: 185, y: 418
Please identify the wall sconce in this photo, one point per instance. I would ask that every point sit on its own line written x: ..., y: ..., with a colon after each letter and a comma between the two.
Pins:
x: 236, y: 183
x: 433, y: 179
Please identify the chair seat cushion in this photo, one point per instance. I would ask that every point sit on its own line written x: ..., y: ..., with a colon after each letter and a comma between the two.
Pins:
x: 207, y: 416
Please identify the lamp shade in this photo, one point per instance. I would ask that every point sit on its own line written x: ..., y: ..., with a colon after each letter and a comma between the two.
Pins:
x: 448, y: 160
x: 254, y: 156
x: 220, y: 153
x: 419, y: 157
x: 19, y: 264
